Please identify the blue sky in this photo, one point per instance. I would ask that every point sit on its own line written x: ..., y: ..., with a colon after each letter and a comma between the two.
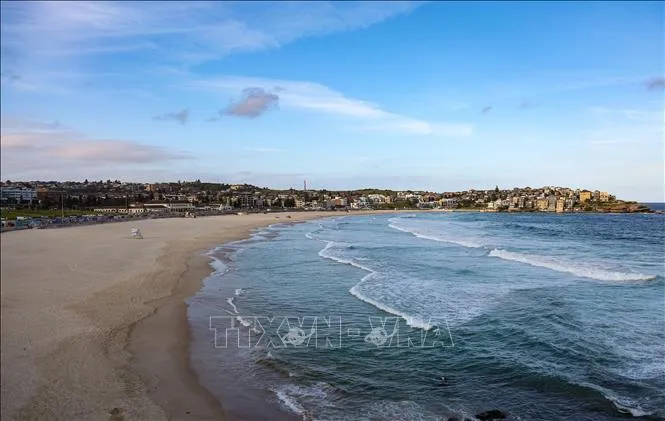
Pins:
x: 432, y: 96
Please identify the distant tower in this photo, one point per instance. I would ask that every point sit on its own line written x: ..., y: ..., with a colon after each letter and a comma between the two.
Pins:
x: 305, y: 185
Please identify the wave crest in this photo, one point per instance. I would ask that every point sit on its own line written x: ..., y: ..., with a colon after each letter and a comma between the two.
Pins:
x: 567, y: 267
x: 328, y: 253
x: 428, y: 236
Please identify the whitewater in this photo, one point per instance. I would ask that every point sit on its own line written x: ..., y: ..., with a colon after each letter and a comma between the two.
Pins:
x: 545, y: 317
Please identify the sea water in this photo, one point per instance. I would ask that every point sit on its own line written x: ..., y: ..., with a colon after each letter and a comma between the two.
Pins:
x: 429, y: 316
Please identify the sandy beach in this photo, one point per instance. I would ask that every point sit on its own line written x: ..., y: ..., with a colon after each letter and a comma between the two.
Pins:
x: 94, y: 323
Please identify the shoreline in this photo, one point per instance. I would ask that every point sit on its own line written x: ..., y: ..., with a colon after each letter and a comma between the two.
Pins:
x: 94, y: 324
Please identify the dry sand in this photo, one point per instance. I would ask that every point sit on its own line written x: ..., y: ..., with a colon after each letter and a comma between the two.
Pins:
x: 94, y: 324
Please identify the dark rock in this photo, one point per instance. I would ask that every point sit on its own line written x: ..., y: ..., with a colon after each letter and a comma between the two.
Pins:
x: 492, y: 414
x: 116, y: 415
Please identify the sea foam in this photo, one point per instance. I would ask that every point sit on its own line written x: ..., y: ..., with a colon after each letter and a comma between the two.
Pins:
x: 327, y: 252
x: 432, y: 237
x: 584, y: 271
x: 232, y: 304
x: 410, y: 320
x: 288, y: 394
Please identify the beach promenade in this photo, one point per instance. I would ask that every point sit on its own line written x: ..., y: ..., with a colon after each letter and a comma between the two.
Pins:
x: 94, y: 323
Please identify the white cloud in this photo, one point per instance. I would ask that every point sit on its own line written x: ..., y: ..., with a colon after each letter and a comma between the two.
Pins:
x: 192, y: 31
x: 30, y: 147
x: 319, y: 99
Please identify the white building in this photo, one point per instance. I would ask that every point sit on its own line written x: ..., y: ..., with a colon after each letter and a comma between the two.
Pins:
x: 378, y: 199
x: 169, y: 207
x: 17, y: 194
x: 132, y: 210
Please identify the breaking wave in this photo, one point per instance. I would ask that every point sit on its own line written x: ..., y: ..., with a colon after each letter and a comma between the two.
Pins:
x: 289, y: 395
x: 232, y: 304
x: 584, y: 271
x: 429, y: 236
x: 410, y: 320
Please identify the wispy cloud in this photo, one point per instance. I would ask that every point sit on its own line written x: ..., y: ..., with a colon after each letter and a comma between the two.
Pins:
x: 264, y: 150
x: 12, y: 124
x: 32, y: 144
x: 656, y: 83
x: 319, y: 99
x: 181, y: 117
x: 486, y: 109
x: 632, y: 114
x: 254, y: 102
x: 186, y: 32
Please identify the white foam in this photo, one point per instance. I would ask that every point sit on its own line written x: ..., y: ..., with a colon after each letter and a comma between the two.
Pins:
x: 327, y: 253
x: 219, y: 268
x: 249, y: 323
x: 232, y: 304
x: 626, y: 405
x: 585, y: 271
x: 287, y: 396
x: 239, y: 292
x: 464, y: 243
x: 410, y: 320
x: 216, y: 264
x: 289, y: 402
x: 244, y: 321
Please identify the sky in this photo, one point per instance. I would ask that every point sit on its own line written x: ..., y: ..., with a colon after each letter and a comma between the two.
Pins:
x: 439, y: 96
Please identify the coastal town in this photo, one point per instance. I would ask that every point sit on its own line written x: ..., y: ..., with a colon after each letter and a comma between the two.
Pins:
x: 191, y: 197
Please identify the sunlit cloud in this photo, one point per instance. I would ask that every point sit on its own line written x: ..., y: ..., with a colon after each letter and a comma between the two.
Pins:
x: 29, y: 145
x: 319, y: 99
x: 186, y: 32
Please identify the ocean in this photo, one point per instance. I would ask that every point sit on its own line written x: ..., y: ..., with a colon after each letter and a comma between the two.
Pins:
x: 437, y: 316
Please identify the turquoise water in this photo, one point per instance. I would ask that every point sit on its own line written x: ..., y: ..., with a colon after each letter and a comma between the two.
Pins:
x: 542, y: 316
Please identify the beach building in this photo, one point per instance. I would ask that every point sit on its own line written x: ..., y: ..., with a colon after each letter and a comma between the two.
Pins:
x: 248, y: 200
x: 541, y: 204
x: 169, y: 207
x: 17, y: 195
x: 585, y: 196
x: 449, y: 203
x: 125, y: 210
